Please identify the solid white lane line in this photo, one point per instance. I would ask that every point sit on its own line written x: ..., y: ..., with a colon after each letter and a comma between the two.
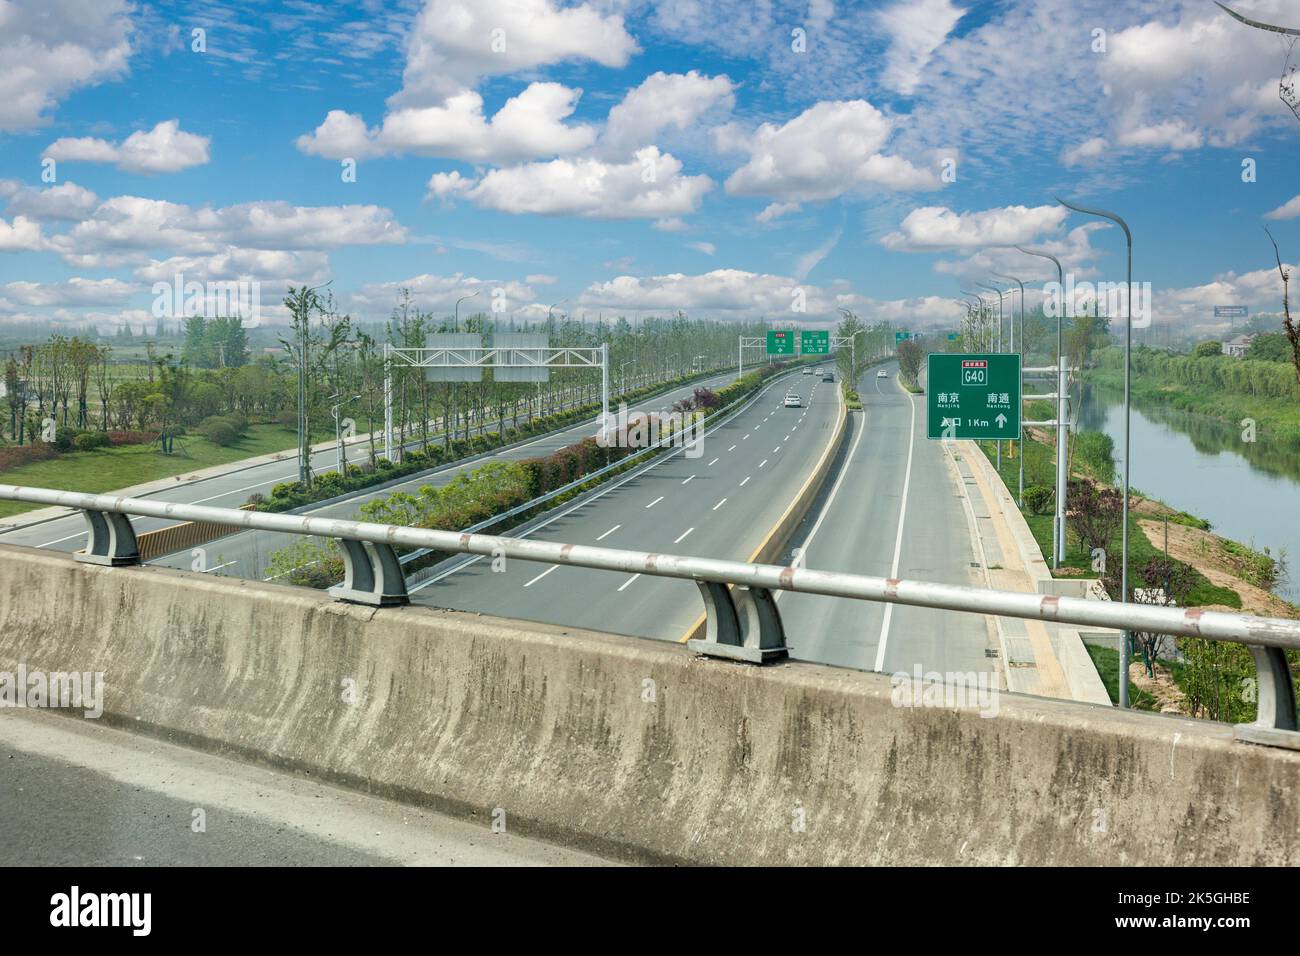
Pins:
x: 609, y: 532
x: 762, y: 463
x: 542, y: 575
x: 746, y: 481
x: 628, y: 581
x: 712, y: 463
x: 898, y: 539
x: 79, y: 534
x: 683, y: 535
x: 687, y: 481
x: 655, y: 502
x: 720, y: 504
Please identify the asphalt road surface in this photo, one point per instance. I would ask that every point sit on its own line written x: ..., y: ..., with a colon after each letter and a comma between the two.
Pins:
x: 894, y: 510
x: 245, y: 555
x: 721, y: 504
x: 76, y: 793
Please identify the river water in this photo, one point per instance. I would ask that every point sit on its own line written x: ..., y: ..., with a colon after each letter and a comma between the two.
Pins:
x: 1247, y: 491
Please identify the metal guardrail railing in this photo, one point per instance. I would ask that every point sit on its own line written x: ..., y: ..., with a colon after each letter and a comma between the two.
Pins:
x: 743, y: 620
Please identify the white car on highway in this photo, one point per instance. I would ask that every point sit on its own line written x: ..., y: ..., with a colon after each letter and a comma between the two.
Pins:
x: 881, y: 374
x: 793, y: 401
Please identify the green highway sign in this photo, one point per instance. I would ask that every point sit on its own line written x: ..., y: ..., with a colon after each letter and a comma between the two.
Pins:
x: 900, y: 336
x: 952, y: 336
x: 780, y: 343
x: 973, y: 396
x: 815, y: 343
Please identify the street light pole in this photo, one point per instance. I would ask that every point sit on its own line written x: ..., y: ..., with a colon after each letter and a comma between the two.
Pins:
x: 1128, y: 345
x: 456, y: 319
x: 1020, y: 450
x: 1058, y: 525
x: 1001, y: 319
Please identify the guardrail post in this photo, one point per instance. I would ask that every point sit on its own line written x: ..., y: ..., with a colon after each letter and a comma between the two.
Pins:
x: 372, y: 575
x: 111, y: 540
x: 742, y: 624
x: 1275, y: 722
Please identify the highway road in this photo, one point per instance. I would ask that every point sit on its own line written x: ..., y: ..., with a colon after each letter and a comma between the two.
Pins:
x: 721, y: 504
x: 247, y: 554
x: 244, y: 555
x: 77, y: 793
x: 894, y: 509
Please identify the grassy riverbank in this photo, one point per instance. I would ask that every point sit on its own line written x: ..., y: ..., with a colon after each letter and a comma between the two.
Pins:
x: 1188, y: 676
x: 1227, y: 389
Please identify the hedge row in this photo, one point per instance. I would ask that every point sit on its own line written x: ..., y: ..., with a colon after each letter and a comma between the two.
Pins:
x: 472, y: 497
x: 290, y: 495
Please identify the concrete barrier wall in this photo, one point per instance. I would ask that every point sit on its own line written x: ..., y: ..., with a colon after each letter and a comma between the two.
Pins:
x: 637, y: 748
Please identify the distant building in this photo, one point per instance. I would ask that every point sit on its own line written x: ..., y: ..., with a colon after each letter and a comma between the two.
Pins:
x: 1236, y: 347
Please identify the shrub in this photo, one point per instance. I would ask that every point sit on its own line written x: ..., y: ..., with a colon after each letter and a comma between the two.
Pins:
x: 219, y: 432
x: 1039, y: 499
x: 90, y: 441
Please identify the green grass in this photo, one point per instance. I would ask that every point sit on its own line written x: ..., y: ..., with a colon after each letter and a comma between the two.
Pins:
x: 1039, y: 469
x: 126, y: 465
x: 1106, y: 660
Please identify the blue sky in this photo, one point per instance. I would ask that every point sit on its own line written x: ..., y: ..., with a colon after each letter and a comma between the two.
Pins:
x: 636, y: 157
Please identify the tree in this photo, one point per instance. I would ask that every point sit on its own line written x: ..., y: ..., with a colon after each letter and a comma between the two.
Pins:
x: 1289, y: 326
x: 1269, y: 347
x: 909, y: 359
x: 1166, y: 583
x: 1208, y: 349
x: 1095, y: 514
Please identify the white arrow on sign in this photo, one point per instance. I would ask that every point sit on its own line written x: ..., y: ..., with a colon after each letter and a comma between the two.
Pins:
x: 1001, y: 420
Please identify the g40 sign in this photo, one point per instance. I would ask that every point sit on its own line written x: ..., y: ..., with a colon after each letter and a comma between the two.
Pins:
x: 973, y: 396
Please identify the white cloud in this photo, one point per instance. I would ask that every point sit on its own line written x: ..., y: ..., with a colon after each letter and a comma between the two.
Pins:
x: 1074, y: 250
x: 529, y: 125
x: 1085, y: 152
x: 272, y: 266
x: 1288, y: 210
x: 439, y: 293
x: 21, y: 235
x: 649, y: 186
x: 732, y: 293
x: 776, y: 210
x: 671, y: 224
x: 454, y: 43
x: 50, y: 48
x: 707, y: 248
x: 916, y: 29
x: 938, y: 227
x: 828, y: 150
x: 164, y: 149
x: 65, y: 201
x: 541, y: 279
x: 663, y: 100
x: 1193, y: 307
x: 123, y: 227
x: 74, y: 291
